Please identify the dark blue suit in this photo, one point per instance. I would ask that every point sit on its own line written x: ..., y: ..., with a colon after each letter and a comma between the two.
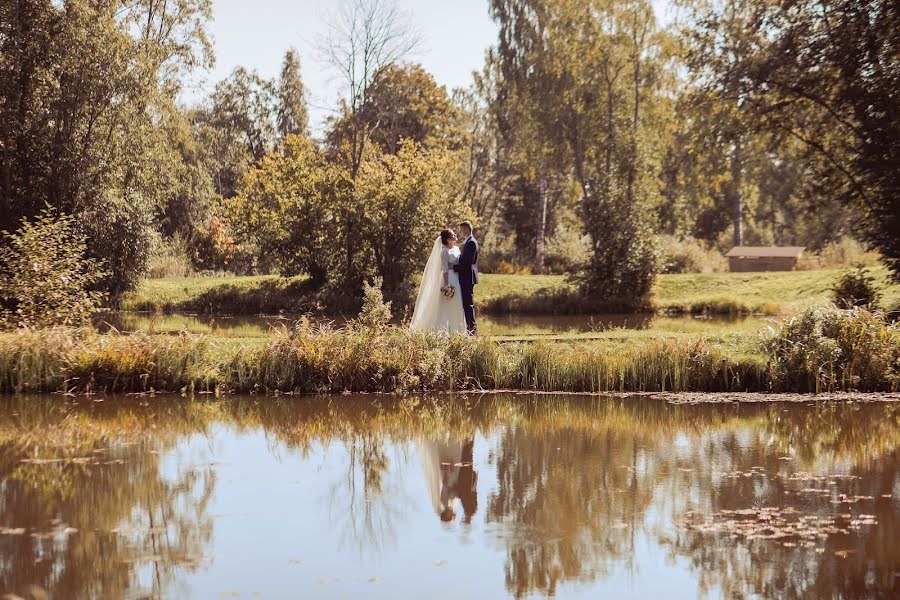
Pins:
x: 467, y: 268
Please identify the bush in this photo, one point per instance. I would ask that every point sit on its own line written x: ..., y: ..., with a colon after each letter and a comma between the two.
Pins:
x: 826, y: 348
x: 855, y: 288
x: 45, y: 277
x: 376, y: 313
x: 845, y: 252
x: 169, y: 258
x: 689, y: 255
x: 211, y: 247
x: 119, y: 232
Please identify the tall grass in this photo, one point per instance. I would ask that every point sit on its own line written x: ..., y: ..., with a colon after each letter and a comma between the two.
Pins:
x: 826, y: 348
x: 317, y: 359
x: 82, y: 360
x: 822, y: 349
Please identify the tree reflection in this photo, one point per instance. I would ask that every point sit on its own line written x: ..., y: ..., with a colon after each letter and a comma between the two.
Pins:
x: 572, y: 497
x: 580, y: 482
x: 95, y: 516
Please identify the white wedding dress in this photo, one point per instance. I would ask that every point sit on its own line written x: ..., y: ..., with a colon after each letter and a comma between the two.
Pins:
x: 434, y: 311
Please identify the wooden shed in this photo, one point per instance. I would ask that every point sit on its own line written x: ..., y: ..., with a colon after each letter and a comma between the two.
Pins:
x: 763, y: 258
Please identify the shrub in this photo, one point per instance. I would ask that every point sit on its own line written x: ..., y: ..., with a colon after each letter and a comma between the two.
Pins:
x: 855, y: 288
x: 45, y: 276
x: 846, y: 252
x: 826, y: 348
x: 119, y: 232
x: 689, y: 255
x: 211, y: 247
x: 375, y: 313
x: 169, y: 258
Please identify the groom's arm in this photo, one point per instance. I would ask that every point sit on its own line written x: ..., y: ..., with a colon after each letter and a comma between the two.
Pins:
x: 467, y: 258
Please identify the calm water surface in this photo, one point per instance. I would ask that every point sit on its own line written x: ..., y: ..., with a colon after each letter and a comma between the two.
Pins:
x: 478, y: 497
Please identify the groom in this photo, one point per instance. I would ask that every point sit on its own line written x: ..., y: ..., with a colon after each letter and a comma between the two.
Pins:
x: 467, y: 267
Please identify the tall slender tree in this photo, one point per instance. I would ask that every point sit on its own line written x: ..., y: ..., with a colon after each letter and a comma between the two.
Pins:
x: 293, y: 116
x: 590, y: 72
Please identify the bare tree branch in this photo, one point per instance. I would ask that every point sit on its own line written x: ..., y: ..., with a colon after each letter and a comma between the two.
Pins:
x: 363, y: 36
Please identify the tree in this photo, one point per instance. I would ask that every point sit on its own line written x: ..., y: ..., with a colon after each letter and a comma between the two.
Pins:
x: 478, y: 163
x: 86, y: 100
x: 294, y: 204
x: 46, y: 277
x: 824, y: 74
x: 363, y: 37
x: 403, y: 103
x: 590, y: 71
x: 293, y: 117
x: 284, y: 207
x: 529, y: 165
x: 406, y: 201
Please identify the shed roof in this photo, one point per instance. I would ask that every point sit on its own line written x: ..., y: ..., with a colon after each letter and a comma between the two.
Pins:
x: 765, y: 252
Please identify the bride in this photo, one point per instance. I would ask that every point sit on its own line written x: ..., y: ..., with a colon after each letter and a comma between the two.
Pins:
x: 439, y: 303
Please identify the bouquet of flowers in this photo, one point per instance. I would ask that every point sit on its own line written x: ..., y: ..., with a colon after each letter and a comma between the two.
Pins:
x: 448, y: 291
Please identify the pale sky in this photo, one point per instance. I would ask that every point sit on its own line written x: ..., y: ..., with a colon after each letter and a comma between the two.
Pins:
x: 256, y: 34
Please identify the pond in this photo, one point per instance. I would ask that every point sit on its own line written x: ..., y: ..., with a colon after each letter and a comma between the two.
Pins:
x: 256, y: 327
x: 448, y: 497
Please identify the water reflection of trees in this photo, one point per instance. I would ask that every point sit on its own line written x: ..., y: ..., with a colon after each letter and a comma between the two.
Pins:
x: 575, y: 492
x: 571, y: 495
x: 129, y: 515
x: 579, y: 479
x: 578, y: 482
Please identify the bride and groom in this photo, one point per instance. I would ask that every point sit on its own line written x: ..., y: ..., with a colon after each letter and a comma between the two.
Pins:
x: 446, y: 294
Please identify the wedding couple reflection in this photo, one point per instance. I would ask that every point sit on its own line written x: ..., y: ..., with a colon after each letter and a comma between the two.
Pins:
x: 450, y: 476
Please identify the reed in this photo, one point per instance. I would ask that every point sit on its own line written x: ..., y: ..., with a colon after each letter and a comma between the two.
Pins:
x: 824, y: 350
x: 315, y: 359
x: 81, y: 360
x: 828, y: 349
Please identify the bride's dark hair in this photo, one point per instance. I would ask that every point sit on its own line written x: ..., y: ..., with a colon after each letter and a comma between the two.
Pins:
x: 446, y: 235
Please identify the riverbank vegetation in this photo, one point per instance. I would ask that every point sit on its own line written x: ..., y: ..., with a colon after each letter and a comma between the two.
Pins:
x: 819, y: 350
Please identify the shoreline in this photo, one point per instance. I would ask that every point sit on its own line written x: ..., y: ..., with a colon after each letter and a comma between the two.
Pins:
x: 673, y: 398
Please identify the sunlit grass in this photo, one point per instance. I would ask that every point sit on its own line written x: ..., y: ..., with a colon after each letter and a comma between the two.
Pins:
x: 768, y: 293
x: 309, y: 357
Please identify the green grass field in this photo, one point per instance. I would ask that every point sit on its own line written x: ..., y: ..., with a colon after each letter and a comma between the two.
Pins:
x: 772, y: 293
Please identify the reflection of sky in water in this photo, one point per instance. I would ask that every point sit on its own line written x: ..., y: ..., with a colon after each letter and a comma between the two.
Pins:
x: 281, y: 530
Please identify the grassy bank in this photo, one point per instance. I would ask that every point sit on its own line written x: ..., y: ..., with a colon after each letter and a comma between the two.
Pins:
x: 820, y: 350
x: 707, y: 293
